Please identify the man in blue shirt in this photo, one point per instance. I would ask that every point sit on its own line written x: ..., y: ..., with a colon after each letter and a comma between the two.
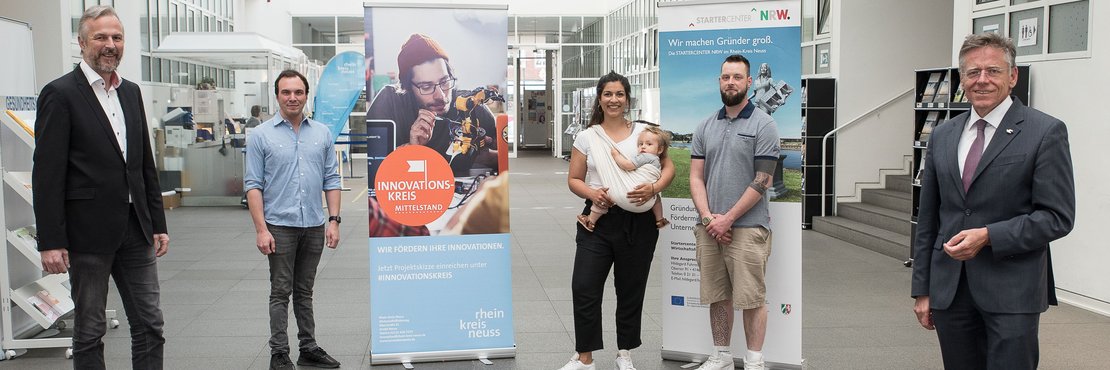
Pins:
x: 290, y: 160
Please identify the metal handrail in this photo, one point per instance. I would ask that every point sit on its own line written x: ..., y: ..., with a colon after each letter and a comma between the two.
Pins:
x: 825, y: 141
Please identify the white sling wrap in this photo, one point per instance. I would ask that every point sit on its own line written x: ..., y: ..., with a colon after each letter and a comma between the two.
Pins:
x: 619, y: 181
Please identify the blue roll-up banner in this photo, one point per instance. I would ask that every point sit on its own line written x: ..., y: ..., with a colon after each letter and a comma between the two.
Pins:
x: 338, y: 90
x: 694, y: 39
x: 440, y: 266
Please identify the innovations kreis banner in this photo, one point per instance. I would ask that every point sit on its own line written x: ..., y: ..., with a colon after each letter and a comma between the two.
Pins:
x: 440, y: 277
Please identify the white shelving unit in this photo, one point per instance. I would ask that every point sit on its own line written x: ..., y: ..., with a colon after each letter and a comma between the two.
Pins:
x: 22, y: 278
x: 32, y: 302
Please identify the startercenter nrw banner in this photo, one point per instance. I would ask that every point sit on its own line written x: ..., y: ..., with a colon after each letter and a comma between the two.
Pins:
x: 694, y: 39
x: 440, y: 268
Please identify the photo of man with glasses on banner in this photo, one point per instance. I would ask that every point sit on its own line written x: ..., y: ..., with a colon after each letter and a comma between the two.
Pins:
x: 429, y: 110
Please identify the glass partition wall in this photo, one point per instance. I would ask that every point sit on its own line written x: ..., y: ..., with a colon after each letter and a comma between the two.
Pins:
x: 549, y: 58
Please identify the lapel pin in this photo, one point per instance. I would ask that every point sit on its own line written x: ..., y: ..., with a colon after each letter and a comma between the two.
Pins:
x: 1010, y: 131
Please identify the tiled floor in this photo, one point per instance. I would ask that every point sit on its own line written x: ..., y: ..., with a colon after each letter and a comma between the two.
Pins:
x: 214, y: 291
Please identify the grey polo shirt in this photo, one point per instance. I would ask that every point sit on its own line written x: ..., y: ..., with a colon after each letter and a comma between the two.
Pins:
x: 730, y: 147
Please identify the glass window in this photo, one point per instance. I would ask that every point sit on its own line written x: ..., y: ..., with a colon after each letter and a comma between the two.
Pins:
x: 809, y: 7
x: 1027, y: 31
x: 571, y: 29
x: 824, y: 9
x: 592, y: 31
x: 164, y: 14
x: 313, y: 30
x: 319, y: 53
x: 156, y: 70
x: 988, y: 24
x: 512, y: 30
x: 350, y: 30
x: 1068, y: 27
x: 166, y: 76
x: 807, y: 60
x: 190, y: 21
x: 146, y: 68
x: 77, y: 7
x: 1015, y: 2
x: 977, y: 2
x: 144, y: 28
x: 155, y: 26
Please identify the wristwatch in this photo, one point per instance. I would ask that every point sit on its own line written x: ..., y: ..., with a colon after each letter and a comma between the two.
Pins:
x: 337, y: 219
x: 706, y: 220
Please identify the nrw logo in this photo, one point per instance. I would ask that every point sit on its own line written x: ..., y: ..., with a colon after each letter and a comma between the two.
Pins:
x: 785, y: 309
x: 772, y: 14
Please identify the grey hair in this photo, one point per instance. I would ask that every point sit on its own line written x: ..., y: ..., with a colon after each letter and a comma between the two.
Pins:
x: 91, y: 14
x: 989, y: 39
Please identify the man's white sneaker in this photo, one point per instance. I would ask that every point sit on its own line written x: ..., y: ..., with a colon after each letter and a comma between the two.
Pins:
x: 717, y: 362
x: 624, y: 360
x: 574, y: 364
x: 752, y: 365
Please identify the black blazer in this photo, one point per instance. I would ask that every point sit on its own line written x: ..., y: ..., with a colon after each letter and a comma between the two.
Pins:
x: 81, y: 181
x: 1023, y: 192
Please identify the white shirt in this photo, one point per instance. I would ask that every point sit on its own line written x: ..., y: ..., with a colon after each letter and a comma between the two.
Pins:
x: 109, y: 101
x: 994, y: 118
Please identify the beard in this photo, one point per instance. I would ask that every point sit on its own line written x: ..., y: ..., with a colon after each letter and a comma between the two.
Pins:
x: 105, y: 60
x: 733, y: 100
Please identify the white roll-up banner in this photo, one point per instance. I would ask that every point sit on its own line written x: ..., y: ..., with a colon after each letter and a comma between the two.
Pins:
x: 694, y: 39
x: 440, y: 269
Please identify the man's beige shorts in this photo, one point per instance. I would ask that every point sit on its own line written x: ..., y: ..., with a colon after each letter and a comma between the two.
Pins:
x: 734, y: 271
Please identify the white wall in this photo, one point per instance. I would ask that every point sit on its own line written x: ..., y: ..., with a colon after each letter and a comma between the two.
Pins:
x: 1071, y: 91
x: 49, y: 21
x: 516, y: 7
x: 271, y: 19
x: 876, y: 47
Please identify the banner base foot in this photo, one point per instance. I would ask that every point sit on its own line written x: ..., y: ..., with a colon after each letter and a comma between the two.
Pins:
x: 407, y: 365
x: 485, y: 361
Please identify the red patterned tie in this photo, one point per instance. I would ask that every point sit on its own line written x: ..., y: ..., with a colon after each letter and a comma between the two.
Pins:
x: 974, y: 154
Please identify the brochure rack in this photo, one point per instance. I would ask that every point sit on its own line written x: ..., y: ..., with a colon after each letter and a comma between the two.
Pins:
x: 32, y: 302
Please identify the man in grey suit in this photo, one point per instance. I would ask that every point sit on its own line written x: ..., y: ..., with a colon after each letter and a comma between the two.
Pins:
x: 997, y: 188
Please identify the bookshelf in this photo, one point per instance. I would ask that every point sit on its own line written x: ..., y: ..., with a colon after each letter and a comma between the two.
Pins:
x: 939, y: 97
x: 818, y: 118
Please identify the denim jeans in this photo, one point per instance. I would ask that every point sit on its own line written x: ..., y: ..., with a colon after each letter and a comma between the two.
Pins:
x: 135, y: 270
x: 293, y: 271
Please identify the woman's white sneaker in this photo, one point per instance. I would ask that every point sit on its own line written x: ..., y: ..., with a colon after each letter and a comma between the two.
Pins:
x: 624, y: 360
x: 574, y: 364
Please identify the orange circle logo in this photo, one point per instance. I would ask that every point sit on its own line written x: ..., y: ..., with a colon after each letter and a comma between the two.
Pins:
x: 415, y: 185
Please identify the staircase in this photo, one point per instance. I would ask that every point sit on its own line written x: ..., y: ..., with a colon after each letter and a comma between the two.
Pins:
x: 880, y: 223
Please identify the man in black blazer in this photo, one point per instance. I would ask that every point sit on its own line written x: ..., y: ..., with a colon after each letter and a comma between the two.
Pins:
x: 96, y: 196
x: 997, y: 188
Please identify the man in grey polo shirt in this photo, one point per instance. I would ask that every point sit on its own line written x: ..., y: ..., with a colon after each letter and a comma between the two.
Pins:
x: 733, y: 154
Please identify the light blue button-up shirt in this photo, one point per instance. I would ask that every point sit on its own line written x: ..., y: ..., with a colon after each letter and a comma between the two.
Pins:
x: 291, y: 169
